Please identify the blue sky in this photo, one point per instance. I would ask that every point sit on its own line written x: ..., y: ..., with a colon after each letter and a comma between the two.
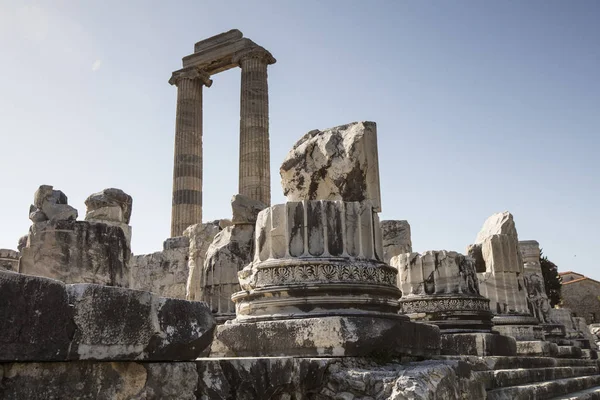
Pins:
x: 481, y: 107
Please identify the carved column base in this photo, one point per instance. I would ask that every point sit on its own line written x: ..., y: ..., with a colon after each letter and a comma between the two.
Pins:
x: 315, y: 287
x: 337, y: 336
x: 452, y: 313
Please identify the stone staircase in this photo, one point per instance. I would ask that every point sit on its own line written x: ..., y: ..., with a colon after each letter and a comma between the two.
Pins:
x: 508, y: 378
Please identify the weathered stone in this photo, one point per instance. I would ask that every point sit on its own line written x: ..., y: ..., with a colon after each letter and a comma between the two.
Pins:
x: 245, y: 210
x: 340, y: 163
x: 35, y: 318
x: 22, y: 242
x: 396, y: 238
x: 77, y: 252
x: 440, y: 287
x: 585, y: 333
x: 46, y: 320
x: 243, y: 379
x: 50, y: 204
x: 502, y: 281
x: 230, y: 251
x: 537, y: 300
x: 163, y: 272
x: 478, y: 344
x: 176, y: 243
x: 330, y: 336
x: 200, y: 237
x: 9, y: 260
x: 101, y: 205
x: 564, y: 317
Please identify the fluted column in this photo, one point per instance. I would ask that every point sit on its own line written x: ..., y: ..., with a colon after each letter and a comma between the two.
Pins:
x: 187, y: 168
x: 254, y: 173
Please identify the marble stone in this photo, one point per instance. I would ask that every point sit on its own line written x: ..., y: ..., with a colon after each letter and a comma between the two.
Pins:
x: 245, y: 210
x: 78, y: 252
x: 46, y: 320
x: 441, y: 287
x: 584, y: 333
x: 200, y: 237
x: 318, y: 282
x: 282, y: 378
x: 500, y: 269
x: 50, y: 204
x: 396, y: 238
x: 165, y: 272
x: 564, y: 316
x: 9, y: 260
x: 339, y: 163
x: 106, y: 203
x: 537, y: 300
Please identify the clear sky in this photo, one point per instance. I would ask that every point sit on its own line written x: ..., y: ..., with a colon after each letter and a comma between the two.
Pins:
x: 481, y: 106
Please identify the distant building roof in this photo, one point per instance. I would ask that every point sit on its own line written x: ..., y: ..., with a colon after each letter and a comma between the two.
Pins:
x: 583, y: 278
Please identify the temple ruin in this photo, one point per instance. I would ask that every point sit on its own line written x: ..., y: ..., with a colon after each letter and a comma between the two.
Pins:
x: 314, y: 298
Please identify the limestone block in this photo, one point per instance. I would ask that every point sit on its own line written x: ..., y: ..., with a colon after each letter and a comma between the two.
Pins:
x: 583, y: 330
x: 506, y: 291
x: 83, y: 380
x: 396, y: 238
x: 146, y: 326
x: 342, y: 336
x: 111, y: 213
x: 436, y: 272
x: 530, y: 251
x: 35, y: 318
x: 200, y: 237
x: 45, y: 320
x: 340, y: 163
x: 50, y: 204
x: 498, y: 224
x: 230, y: 251
x: 77, y: 252
x: 9, y: 260
x: 478, y: 344
x: 320, y: 228
x: 22, y: 242
x: 564, y: 316
x: 164, y: 272
x: 109, y: 198
x: 245, y: 209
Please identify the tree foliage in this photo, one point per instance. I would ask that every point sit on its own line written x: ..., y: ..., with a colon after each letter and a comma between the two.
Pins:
x: 552, y: 281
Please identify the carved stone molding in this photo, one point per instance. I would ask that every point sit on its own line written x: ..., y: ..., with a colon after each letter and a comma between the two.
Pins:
x: 190, y: 73
x: 253, y: 52
x: 323, y: 272
x: 443, y: 304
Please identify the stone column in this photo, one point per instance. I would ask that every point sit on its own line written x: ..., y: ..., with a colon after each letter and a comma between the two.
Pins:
x: 187, y: 168
x: 254, y: 173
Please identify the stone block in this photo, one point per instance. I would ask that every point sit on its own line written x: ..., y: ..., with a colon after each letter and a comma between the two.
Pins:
x: 9, y: 260
x: 478, y: 344
x: 112, y: 213
x: 50, y: 204
x: 335, y: 336
x: 340, y: 163
x: 78, y: 252
x: 230, y: 251
x: 498, y: 224
x: 46, y: 320
x: 200, y: 237
x: 537, y: 348
x: 107, y: 199
x: 164, y: 272
x: 245, y: 210
x: 521, y: 332
x: 35, y: 318
x: 396, y: 238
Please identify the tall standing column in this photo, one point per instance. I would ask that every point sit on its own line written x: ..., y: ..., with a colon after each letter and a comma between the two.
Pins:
x: 254, y: 173
x: 187, y: 169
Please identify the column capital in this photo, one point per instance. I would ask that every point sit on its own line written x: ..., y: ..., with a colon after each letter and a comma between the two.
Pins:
x: 253, y: 52
x: 190, y: 73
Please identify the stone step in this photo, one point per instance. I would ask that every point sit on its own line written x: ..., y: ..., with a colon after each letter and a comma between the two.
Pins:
x: 500, y: 362
x: 544, y: 390
x: 569, y: 352
x: 587, y: 394
x: 514, y: 377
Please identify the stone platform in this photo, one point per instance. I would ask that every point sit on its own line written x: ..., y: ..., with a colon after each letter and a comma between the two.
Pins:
x: 333, y: 336
x: 478, y: 344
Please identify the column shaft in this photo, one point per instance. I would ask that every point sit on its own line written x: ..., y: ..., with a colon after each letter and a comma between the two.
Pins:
x: 254, y: 173
x: 187, y: 170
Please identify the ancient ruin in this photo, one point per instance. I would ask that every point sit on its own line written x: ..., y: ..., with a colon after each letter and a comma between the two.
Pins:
x: 311, y: 299
x: 211, y: 56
